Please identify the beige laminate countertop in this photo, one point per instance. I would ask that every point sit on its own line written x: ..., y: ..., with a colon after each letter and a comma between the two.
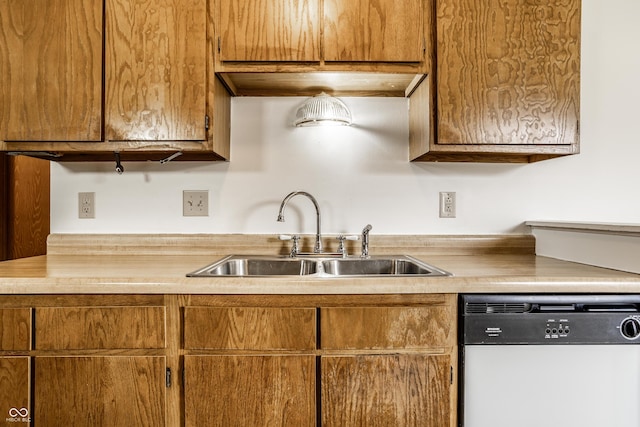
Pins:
x: 160, y: 274
x: 158, y: 264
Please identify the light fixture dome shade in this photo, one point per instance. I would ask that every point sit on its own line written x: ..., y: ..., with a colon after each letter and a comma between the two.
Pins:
x: 322, y: 109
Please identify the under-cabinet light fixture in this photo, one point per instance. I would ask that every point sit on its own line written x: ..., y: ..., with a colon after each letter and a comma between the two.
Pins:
x: 323, y: 110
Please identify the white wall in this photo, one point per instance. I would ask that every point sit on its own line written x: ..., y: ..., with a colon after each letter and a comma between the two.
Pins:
x: 360, y: 174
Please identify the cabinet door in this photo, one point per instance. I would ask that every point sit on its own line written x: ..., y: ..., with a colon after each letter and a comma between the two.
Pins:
x: 100, y: 391
x: 14, y: 391
x: 268, y: 30
x: 155, y: 70
x: 386, y: 390
x: 51, y: 70
x: 250, y: 390
x: 374, y: 30
x: 508, y: 71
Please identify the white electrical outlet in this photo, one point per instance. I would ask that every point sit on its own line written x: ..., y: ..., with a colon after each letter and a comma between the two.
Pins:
x: 195, y: 203
x: 447, y: 204
x: 86, y: 205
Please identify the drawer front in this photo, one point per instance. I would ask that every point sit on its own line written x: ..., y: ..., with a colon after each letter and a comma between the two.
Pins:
x: 249, y: 328
x: 15, y: 329
x: 387, y: 328
x: 85, y: 328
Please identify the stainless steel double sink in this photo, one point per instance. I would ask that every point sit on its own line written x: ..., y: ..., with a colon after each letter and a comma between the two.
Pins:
x: 318, y: 266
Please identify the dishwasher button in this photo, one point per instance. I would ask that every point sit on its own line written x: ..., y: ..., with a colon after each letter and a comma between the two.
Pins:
x: 630, y: 328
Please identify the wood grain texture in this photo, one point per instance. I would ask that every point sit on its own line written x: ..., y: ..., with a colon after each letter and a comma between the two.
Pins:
x: 219, y: 134
x: 374, y: 30
x: 51, y: 56
x: 28, y: 207
x: 4, y: 203
x: 421, y: 130
x: 155, y: 70
x: 15, y: 329
x: 249, y: 328
x: 385, y: 390
x: 15, y: 376
x: 269, y: 30
x: 66, y: 328
x: 100, y: 391
x: 250, y: 391
x: 508, y: 71
x: 385, y: 328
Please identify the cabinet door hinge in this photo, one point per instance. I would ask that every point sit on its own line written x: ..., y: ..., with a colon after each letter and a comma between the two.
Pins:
x: 167, y: 378
x: 206, y: 122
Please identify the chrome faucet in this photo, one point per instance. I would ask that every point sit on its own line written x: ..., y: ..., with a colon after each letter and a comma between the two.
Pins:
x: 365, y: 241
x: 318, y: 246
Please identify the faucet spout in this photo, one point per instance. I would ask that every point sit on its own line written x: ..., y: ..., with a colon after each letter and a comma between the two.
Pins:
x: 318, y: 245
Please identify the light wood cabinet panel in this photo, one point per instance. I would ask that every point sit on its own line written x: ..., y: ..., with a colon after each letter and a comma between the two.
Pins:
x: 15, y: 391
x: 387, y: 327
x: 269, y: 30
x: 100, y: 391
x: 51, y: 70
x: 374, y: 30
x: 15, y: 329
x: 508, y: 72
x: 386, y: 390
x: 249, y: 328
x: 155, y: 70
x: 70, y: 328
x: 250, y: 391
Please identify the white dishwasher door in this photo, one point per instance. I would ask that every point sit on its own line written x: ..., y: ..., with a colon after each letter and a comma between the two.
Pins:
x: 551, y: 386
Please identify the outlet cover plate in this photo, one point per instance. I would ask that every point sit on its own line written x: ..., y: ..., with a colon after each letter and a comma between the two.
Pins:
x: 87, y: 205
x: 447, y: 204
x: 195, y: 203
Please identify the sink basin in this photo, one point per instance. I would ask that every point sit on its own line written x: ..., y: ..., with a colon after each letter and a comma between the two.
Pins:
x: 396, y: 266
x: 318, y: 266
x: 257, y: 266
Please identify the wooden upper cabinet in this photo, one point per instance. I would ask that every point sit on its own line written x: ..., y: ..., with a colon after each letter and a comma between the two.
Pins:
x: 374, y: 30
x: 508, y: 72
x: 155, y: 70
x: 51, y: 70
x: 268, y: 30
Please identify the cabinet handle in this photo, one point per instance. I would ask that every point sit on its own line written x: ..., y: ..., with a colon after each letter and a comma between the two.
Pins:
x: 167, y: 378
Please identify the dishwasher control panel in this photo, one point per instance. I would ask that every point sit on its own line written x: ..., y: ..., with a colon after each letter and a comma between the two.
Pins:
x: 545, y: 319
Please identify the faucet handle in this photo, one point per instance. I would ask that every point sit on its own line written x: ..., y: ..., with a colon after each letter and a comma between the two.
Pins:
x: 295, y: 248
x: 341, y: 238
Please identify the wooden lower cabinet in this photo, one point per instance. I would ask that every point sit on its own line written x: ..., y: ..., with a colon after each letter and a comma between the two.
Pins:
x: 247, y: 390
x: 386, y: 390
x: 339, y: 361
x: 15, y: 391
x: 100, y: 391
x: 284, y: 360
